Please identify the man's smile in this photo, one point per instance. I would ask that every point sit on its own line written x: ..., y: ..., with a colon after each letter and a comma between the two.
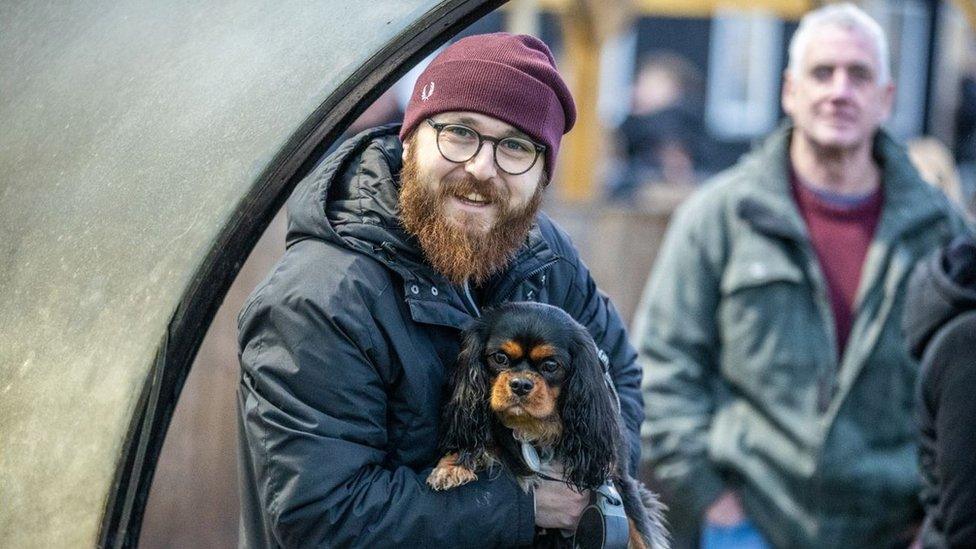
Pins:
x: 470, y: 202
x: 473, y: 199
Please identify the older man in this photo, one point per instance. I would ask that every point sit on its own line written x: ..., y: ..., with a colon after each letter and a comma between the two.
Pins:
x: 779, y: 387
x: 393, y: 247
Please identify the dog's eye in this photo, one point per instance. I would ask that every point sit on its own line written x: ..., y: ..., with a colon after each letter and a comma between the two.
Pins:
x: 549, y: 366
x: 499, y: 359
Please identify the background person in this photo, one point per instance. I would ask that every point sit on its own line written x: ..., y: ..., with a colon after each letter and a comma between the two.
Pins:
x: 779, y: 389
x: 663, y: 138
x: 940, y: 327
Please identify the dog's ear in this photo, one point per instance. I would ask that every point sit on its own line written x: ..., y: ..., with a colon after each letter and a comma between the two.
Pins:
x: 467, y: 417
x: 591, y: 431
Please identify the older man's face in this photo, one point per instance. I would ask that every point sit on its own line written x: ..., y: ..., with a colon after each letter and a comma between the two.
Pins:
x: 837, y: 102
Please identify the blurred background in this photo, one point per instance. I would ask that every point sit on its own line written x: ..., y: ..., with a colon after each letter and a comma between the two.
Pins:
x: 669, y: 92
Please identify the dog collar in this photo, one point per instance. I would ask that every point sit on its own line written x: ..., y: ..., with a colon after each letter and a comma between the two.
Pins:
x: 532, y: 458
x: 603, y: 523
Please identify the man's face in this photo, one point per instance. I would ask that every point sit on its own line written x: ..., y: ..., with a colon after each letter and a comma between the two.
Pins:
x: 479, y: 192
x: 469, y: 217
x: 837, y: 102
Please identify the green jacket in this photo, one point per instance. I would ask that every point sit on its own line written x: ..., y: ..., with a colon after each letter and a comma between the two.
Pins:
x: 742, y: 383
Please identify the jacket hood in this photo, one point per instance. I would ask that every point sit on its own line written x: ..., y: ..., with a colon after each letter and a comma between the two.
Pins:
x: 942, y: 287
x: 351, y: 199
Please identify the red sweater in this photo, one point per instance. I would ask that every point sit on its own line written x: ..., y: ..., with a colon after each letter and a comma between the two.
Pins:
x: 841, y: 229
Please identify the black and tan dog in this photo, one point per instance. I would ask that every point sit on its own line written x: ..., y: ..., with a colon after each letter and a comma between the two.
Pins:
x: 529, y: 373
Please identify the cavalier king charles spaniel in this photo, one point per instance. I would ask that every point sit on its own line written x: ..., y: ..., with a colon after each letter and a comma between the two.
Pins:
x: 529, y: 375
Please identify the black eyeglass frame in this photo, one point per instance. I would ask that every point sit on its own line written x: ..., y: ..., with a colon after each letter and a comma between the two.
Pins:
x: 438, y: 126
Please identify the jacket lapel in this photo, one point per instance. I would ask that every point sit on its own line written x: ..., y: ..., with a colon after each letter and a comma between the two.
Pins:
x: 769, y: 207
x: 907, y: 209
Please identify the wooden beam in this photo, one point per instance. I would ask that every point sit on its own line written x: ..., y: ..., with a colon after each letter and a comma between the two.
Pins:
x: 577, y: 153
x: 586, y: 25
x: 968, y: 9
x: 522, y: 17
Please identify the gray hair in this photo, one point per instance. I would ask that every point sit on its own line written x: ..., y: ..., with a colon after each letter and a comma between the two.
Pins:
x: 844, y: 15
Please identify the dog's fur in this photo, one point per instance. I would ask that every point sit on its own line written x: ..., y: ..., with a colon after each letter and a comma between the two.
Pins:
x: 529, y: 372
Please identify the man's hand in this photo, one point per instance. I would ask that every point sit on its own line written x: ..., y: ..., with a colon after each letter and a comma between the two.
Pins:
x: 726, y: 510
x: 557, y: 505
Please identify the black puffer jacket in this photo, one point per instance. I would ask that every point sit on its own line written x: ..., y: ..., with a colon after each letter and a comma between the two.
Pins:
x: 940, y: 327
x: 344, y: 349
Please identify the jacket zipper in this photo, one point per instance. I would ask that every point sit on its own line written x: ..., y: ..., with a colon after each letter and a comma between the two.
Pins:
x: 826, y: 380
x: 827, y: 384
x: 470, y: 300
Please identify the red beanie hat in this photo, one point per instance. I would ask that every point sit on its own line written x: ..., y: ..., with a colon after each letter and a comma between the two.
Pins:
x: 511, y: 77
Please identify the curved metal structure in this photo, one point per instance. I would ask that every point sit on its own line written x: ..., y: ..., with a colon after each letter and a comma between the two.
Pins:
x: 145, y: 147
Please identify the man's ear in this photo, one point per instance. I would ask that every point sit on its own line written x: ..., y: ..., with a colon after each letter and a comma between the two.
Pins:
x: 406, y: 148
x: 786, y: 97
x: 887, y: 101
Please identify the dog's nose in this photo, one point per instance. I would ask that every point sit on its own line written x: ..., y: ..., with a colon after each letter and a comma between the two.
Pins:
x: 520, y: 386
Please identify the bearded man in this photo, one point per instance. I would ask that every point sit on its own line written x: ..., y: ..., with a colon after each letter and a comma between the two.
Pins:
x: 345, y: 345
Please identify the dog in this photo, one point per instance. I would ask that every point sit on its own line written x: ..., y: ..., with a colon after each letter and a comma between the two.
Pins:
x: 528, y: 374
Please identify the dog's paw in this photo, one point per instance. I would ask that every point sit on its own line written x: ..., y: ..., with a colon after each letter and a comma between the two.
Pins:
x: 448, y: 474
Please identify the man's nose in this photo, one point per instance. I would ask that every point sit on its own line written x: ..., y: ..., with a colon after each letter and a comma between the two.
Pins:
x: 482, y: 165
x: 841, y: 85
x: 520, y: 386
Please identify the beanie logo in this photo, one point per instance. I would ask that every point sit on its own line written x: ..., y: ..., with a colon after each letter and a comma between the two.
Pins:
x: 427, y: 92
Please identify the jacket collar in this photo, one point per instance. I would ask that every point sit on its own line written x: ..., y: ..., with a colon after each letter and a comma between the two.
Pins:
x: 449, y: 306
x: 769, y: 207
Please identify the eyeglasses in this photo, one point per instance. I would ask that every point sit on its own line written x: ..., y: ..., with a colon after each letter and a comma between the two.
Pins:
x: 459, y: 143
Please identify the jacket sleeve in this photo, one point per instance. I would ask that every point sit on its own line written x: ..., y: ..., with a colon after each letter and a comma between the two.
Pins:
x: 593, y: 309
x: 314, y: 414
x: 677, y: 338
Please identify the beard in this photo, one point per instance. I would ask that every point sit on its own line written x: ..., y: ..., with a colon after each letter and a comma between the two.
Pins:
x: 469, y: 250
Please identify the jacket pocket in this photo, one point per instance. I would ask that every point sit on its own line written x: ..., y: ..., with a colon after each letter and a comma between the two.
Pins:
x: 759, y: 269
x: 771, y: 331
